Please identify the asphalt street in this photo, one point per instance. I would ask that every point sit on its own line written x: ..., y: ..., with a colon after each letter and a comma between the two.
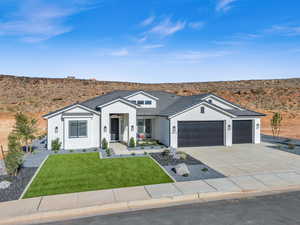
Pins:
x: 283, y: 209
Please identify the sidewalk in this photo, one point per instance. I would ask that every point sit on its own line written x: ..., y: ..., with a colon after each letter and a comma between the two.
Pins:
x: 66, y: 206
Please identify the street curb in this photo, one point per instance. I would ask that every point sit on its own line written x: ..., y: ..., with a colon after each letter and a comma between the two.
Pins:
x: 50, y: 216
x: 32, y: 178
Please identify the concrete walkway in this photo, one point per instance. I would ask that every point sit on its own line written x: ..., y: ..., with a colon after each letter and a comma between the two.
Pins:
x: 122, y: 199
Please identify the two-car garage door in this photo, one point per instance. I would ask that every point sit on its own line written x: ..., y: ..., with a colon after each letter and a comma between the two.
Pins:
x: 200, y: 133
x: 211, y: 133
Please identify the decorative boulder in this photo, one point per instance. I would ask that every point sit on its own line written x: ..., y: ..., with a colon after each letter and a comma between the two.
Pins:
x: 4, y: 184
x: 182, y: 170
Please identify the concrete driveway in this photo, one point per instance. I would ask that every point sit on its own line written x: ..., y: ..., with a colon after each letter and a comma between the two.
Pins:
x: 245, y: 159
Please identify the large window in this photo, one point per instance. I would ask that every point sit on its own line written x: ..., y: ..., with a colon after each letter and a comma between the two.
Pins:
x: 77, y: 128
x: 144, y: 127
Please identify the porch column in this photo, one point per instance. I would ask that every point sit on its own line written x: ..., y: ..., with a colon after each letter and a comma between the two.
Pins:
x: 132, y: 125
x: 105, y: 127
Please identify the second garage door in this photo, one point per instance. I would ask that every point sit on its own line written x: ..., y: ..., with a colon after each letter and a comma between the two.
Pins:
x: 200, y: 133
x: 241, y: 131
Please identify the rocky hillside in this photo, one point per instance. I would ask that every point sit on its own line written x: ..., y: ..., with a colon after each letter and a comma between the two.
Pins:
x: 37, y: 96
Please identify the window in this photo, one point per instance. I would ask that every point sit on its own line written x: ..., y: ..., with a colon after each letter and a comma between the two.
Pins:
x: 140, y: 125
x: 202, y: 109
x: 133, y: 101
x: 77, y: 128
x: 140, y: 102
x: 148, y: 102
x: 210, y: 101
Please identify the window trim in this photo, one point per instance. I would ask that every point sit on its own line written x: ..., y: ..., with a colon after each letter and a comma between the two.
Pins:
x: 78, y: 127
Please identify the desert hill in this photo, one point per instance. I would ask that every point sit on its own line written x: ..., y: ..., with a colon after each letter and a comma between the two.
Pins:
x: 37, y: 96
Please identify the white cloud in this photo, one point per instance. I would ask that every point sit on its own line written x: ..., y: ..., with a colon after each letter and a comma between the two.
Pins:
x: 284, y: 30
x: 153, y: 46
x: 197, y: 56
x: 36, y: 20
x: 196, y: 25
x: 148, y: 21
x: 121, y: 52
x: 167, y: 27
x: 224, y: 5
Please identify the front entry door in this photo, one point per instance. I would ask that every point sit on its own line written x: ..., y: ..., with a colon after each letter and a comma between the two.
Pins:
x: 114, y: 129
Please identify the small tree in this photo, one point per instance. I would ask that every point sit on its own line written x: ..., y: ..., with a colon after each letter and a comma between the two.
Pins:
x: 131, y: 142
x: 14, y: 157
x: 276, y: 123
x: 25, y: 128
x: 104, y: 144
x: 55, y: 145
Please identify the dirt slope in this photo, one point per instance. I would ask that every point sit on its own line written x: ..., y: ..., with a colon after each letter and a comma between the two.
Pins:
x: 37, y: 96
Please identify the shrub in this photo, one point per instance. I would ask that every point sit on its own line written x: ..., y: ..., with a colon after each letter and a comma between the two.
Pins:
x: 182, y: 155
x: 145, y: 153
x: 104, y: 144
x: 108, y: 152
x: 55, y: 145
x: 166, y: 152
x: 133, y: 154
x: 204, y: 169
x: 14, y: 157
x: 291, y: 146
x: 84, y: 150
x: 131, y: 142
x: 71, y: 150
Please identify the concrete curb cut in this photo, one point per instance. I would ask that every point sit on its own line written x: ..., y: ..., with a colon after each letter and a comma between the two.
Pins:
x: 32, y: 178
x: 110, y: 208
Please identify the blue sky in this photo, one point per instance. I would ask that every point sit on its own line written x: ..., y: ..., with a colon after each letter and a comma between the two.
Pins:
x: 151, y: 40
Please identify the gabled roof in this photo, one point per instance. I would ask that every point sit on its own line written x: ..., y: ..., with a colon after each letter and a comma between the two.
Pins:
x: 167, y: 104
x: 61, y: 110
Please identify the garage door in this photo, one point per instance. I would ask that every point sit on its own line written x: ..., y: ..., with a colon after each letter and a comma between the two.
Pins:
x: 200, y: 133
x: 241, y: 131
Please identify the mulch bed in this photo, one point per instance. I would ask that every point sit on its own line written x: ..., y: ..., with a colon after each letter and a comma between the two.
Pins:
x: 168, y: 160
x: 198, y: 170
x: 18, y: 184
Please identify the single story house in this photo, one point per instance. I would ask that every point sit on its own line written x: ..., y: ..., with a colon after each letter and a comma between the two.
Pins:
x: 175, y: 121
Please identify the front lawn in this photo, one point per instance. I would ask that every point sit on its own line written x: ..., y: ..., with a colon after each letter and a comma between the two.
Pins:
x: 86, y: 172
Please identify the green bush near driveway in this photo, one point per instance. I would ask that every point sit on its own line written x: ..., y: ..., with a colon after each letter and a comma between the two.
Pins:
x: 86, y: 172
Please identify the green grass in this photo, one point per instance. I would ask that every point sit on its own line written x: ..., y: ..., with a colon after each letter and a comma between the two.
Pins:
x: 86, y: 172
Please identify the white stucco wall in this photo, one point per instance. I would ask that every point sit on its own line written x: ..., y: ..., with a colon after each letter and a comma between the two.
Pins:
x: 93, y: 126
x: 144, y: 98
x: 195, y: 115
x: 219, y: 103
x: 118, y: 108
x: 53, y: 122
x: 164, y: 126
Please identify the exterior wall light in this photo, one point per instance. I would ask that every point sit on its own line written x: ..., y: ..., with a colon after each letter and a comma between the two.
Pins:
x: 174, y: 130
x: 257, y: 126
x: 229, y: 127
x: 132, y: 128
x: 56, y: 129
x: 105, y: 129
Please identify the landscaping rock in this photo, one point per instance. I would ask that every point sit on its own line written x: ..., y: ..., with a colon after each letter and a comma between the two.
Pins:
x: 182, y: 169
x: 4, y: 184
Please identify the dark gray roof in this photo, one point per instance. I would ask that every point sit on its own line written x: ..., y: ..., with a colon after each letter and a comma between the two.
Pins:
x: 244, y: 112
x: 167, y: 105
